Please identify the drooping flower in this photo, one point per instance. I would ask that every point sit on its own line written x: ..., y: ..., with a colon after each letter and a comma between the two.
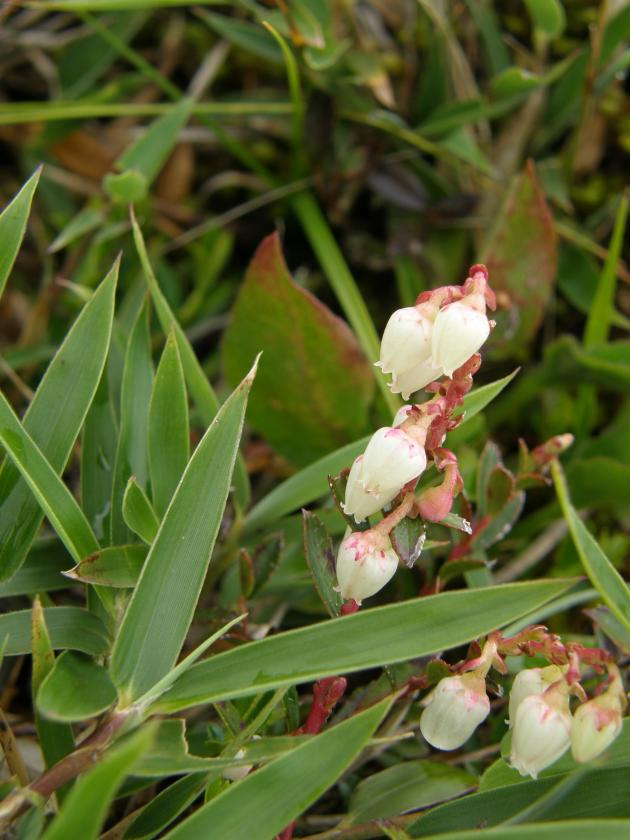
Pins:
x: 595, y: 726
x: 366, y: 561
x: 541, y: 730
x: 391, y: 459
x: 459, y: 331
x: 531, y: 681
x: 456, y: 707
x: 417, y: 377
x: 360, y: 502
x: 406, y: 340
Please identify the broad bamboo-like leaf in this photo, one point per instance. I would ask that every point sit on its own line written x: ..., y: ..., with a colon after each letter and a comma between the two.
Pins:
x: 55, y: 499
x: 138, y: 512
x: 161, y: 608
x: 131, y: 452
x: 199, y: 387
x: 369, y: 639
x: 53, y: 422
x: 312, y: 362
x: 168, y: 427
x: 98, y: 456
x: 603, y: 575
x: 247, y: 810
x: 84, y: 810
x: 13, y: 221
x: 68, y: 627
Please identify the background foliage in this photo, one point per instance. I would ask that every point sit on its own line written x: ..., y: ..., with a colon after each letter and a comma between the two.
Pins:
x: 297, y: 171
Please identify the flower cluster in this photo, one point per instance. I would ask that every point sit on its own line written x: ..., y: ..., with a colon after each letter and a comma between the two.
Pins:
x: 438, y: 337
x: 543, y: 726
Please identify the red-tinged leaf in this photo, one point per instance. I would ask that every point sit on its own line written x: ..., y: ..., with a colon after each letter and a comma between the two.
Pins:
x: 314, y: 385
x: 521, y: 256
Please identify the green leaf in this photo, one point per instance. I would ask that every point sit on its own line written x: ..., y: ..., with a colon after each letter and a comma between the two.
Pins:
x: 53, y: 496
x: 131, y: 452
x: 601, y: 572
x: 149, y: 152
x: 311, y: 363
x: 85, y: 221
x: 602, y: 310
x: 520, y: 254
x: 53, y: 423
x: 198, y: 385
x: 84, y: 811
x: 138, y: 512
x: 547, y: 15
x: 567, y: 830
x: 117, y: 566
x: 407, y: 786
x: 41, y: 571
x: 513, y: 81
x: 126, y: 187
x: 98, y: 456
x: 167, y: 806
x: 13, y: 221
x: 168, y: 426
x: 152, y: 631
x: 310, y: 483
x: 247, y: 810
x: 75, y: 689
x: 369, y: 639
x: 248, y: 36
x: 607, y: 366
x: 321, y: 562
x: 55, y: 739
x: 68, y: 627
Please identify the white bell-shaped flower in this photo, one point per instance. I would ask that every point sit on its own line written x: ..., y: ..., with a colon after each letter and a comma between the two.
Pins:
x: 366, y: 561
x: 406, y: 340
x: 391, y: 459
x: 417, y: 377
x: 358, y: 501
x: 595, y: 726
x: 456, y: 707
x: 541, y: 730
x: 531, y: 681
x: 459, y: 331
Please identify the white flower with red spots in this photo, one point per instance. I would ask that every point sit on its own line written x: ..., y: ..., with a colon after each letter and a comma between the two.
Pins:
x: 366, y: 561
x: 541, y: 730
x: 455, y: 709
x: 459, y: 331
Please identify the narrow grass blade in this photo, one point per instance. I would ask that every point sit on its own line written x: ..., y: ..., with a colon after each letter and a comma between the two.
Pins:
x: 52, y: 422
x: 247, y: 810
x: 13, y: 221
x: 601, y: 572
x: 51, y: 493
x: 161, y: 609
x: 369, y: 639
x: 168, y: 426
x: 131, y: 452
x: 200, y: 388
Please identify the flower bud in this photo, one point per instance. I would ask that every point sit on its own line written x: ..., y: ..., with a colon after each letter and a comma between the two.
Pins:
x: 595, y: 726
x: 456, y: 707
x: 436, y: 502
x: 531, y: 681
x: 406, y: 340
x: 541, y: 730
x: 412, y: 380
x: 459, y: 331
x: 360, y: 502
x: 392, y: 458
x: 239, y: 771
x: 366, y: 561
